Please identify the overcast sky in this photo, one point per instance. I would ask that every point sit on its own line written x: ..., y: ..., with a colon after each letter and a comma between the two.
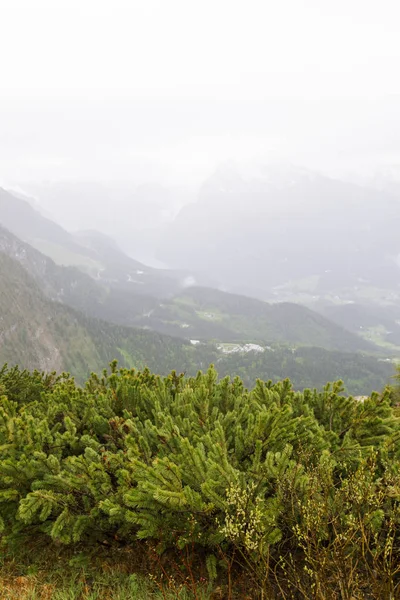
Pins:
x: 164, y: 89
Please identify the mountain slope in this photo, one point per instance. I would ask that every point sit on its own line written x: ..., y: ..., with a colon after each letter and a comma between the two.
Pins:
x: 196, y: 313
x: 38, y: 333
x: 381, y: 324
x: 92, y: 252
x: 73, y: 288
x: 204, y: 313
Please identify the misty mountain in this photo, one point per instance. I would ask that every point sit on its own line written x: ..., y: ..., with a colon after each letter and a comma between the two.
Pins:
x: 380, y: 324
x: 25, y: 221
x: 120, y: 271
x: 384, y: 178
x: 92, y: 252
x: 72, y: 287
x: 257, y: 230
x: 38, y: 333
x: 134, y: 213
x: 196, y: 313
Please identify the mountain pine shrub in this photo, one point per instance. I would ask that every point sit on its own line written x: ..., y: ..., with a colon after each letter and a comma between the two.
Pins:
x: 298, y: 490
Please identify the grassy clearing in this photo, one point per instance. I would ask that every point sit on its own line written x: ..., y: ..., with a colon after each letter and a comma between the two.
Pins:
x: 185, y: 301
x: 59, y: 574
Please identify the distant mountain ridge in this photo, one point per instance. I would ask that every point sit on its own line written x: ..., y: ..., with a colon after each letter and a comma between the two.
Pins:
x: 76, y: 301
x: 134, y: 212
x: 258, y: 231
x: 371, y: 321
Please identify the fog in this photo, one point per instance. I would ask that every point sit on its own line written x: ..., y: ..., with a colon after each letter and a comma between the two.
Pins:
x: 151, y: 90
x: 132, y: 117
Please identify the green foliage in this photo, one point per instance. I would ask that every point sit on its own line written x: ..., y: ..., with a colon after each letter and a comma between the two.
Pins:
x: 273, y: 478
